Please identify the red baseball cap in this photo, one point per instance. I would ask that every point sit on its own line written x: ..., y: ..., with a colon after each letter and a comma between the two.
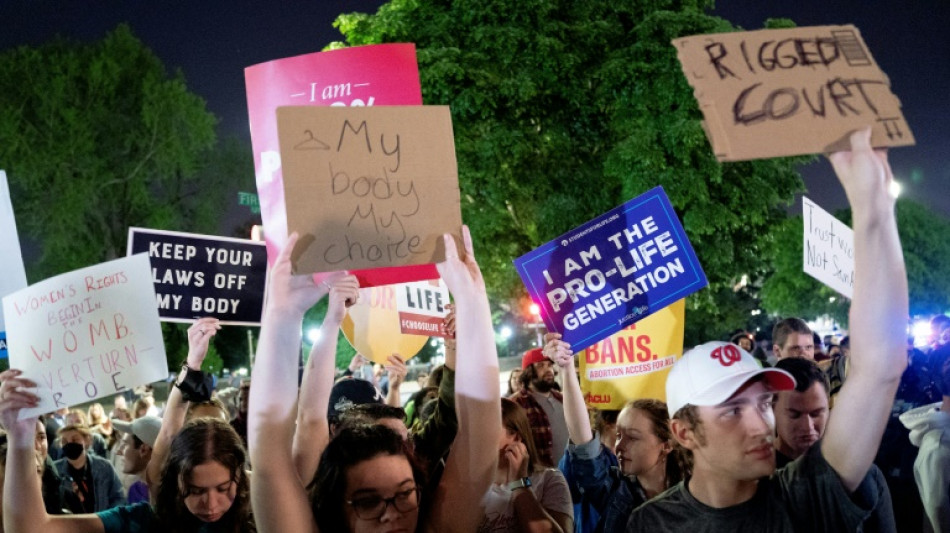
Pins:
x: 532, y: 356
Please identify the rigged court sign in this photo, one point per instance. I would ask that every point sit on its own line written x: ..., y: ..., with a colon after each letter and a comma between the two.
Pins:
x: 613, y: 270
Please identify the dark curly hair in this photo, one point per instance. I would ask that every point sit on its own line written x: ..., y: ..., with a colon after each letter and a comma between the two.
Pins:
x: 203, y: 440
x: 351, y: 446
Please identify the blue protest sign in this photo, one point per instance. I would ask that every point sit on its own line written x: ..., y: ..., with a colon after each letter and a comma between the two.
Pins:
x: 3, y: 345
x: 613, y: 270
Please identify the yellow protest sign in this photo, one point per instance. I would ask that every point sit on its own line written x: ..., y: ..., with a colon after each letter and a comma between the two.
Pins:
x: 634, y: 362
x: 372, y: 326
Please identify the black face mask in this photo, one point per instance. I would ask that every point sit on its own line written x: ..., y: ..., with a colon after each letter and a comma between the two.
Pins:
x: 72, y: 450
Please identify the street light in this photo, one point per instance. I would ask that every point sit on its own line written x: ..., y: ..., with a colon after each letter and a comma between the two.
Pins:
x: 505, y: 333
x: 895, y: 188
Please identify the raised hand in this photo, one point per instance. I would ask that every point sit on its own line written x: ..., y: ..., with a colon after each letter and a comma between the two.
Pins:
x: 295, y: 293
x: 199, y: 336
x: 396, y: 369
x: 557, y: 350
x: 344, y: 292
x: 864, y: 173
x: 461, y: 275
x: 16, y: 394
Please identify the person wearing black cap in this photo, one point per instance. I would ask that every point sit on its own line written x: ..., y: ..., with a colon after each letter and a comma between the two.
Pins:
x: 720, y: 401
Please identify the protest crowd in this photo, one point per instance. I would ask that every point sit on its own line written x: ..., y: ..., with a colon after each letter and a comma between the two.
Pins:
x: 790, y: 432
x: 787, y: 439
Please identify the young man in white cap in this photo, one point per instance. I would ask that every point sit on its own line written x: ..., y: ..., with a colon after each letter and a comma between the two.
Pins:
x: 138, y: 439
x: 720, y: 400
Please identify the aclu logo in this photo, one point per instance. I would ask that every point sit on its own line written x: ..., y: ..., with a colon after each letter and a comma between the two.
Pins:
x: 597, y: 398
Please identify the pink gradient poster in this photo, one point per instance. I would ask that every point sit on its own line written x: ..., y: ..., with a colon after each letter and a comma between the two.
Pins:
x: 385, y: 74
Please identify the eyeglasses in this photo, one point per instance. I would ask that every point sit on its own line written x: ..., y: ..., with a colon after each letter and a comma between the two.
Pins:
x: 373, y: 507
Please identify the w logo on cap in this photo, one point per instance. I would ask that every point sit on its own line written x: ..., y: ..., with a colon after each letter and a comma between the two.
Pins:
x: 727, y: 355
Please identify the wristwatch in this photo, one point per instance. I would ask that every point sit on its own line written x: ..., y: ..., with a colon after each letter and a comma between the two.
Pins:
x: 522, y: 483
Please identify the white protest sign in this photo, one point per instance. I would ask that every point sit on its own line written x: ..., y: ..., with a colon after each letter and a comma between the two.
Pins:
x: 12, y: 274
x: 828, y: 248
x: 87, y: 334
x: 421, y: 306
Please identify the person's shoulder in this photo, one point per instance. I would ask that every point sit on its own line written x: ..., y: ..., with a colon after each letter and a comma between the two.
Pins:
x: 661, y: 513
x: 137, y: 517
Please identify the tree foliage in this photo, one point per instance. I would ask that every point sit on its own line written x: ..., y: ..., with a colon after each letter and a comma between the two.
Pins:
x: 96, y: 138
x: 563, y: 110
x: 925, y: 240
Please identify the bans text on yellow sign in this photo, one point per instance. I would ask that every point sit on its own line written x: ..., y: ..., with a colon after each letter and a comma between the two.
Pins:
x: 634, y: 362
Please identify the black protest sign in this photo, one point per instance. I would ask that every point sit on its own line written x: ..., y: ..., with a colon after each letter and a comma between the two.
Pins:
x: 203, y: 275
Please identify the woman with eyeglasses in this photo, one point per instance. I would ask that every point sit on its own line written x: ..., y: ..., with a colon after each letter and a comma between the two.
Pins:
x: 368, y: 473
x: 203, y: 487
x: 366, y: 479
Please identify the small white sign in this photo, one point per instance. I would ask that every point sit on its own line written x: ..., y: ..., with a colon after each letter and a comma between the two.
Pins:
x: 421, y: 306
x: 87, y: 334
x: 12, y: 274
x: 829, y: 249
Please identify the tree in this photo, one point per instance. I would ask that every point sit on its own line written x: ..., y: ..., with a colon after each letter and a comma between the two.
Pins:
x: 563, y: 110
x: 925, y: 240
x: 96, y: 138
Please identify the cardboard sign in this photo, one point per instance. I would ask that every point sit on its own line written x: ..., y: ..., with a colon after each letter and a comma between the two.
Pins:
x: 372, y: 325
x: 634, y: 362
x: 12, y: 273
x: 612, y: 271
x: 201, y: 275
x: 773, y: 93
x: 421, y: 307
x: 829, y: 249
x: 385, y: 74
x: 384, y: 178
x: 87, y: 334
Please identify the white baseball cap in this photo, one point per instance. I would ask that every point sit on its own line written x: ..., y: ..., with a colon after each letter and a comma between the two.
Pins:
x: 146, y: 428
x: 711, y: 373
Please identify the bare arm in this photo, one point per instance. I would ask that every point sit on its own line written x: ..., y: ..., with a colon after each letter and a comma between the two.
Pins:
x: 471, y: 465
x: 878, y: 316
x: 396, y: 368
x: 313, y: 429
x: 23, y: 509
x: 277, y: 494
x: 199, y: 336
x: 575, y: 411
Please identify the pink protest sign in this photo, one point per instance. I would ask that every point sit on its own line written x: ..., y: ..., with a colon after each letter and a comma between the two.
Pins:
x: 385, y: 74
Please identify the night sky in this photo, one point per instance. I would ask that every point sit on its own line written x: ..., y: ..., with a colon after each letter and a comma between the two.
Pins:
x: 211, y: 41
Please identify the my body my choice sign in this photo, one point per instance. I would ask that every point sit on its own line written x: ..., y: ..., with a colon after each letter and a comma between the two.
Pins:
x: 612, y: 271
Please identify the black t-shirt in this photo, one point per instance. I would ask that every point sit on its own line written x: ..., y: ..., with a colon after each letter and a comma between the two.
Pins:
x: 83, y: 486
x: 805, y: 496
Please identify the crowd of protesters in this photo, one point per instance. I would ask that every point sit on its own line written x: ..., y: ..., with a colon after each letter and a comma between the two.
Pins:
x: 798, y: 437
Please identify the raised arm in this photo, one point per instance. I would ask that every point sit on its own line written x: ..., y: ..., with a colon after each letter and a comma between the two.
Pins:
x: 575, y: 411
x: 23, y: 508
x: 396, y: 369
x: 199, y: 336
x: 471, y: 464
x: 313, y: 429
x: 878, y: 316
x: 277, y: 494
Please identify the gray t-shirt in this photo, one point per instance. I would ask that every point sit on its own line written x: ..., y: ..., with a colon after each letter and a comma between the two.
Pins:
x: 805, y: 496
x: 554, y: 409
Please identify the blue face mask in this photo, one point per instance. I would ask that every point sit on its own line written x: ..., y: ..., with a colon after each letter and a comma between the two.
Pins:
x: 72, y: 450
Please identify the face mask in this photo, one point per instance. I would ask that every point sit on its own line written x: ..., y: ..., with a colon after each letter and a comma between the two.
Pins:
x: 72, y: 450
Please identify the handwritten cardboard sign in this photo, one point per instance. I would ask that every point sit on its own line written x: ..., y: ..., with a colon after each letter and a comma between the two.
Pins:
x: 772, y: 93
x: 385, y: 74
x: 421, y: 307
x: 12, y: 273
x: 369, y: 187
x: 201, y: 275
x: 87, y: 334
x: 829, y: 249
x: 613, y: 270
x: 373, y: 325
x: 634, y: 362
